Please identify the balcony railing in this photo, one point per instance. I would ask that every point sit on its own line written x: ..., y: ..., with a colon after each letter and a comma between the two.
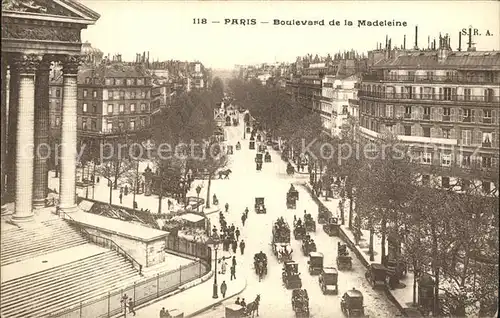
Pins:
x: 433, y: 79
x: 440, y: 97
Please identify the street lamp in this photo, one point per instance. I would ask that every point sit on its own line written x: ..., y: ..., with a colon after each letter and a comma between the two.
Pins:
x: 215, y: 245
x: 198, y: 190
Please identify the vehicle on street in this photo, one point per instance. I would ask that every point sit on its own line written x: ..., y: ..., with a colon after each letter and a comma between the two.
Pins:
x: 309, y: 223
x: 352, y: 303
x: 280, y: 240
x: 258, y: 160
x: 262, y: 147
x: 377, y: 275
x: 238, y: 146
x: 230, y: 150
x: 308, y: 246
x: 299, y: 232
x: 323, y: 214
x: 267, y: 157
x: 291, y: 201
x: 332, y: 227
x: 328, y: 280
x: 260, y: 265
x: 344, y: 260
x: 289, y: 168
x: 315, y: 263
x: 300, y: 302
x: 251, y: 145
x: 259, y: 206
x: 234, y: 311
x: 290, y: 275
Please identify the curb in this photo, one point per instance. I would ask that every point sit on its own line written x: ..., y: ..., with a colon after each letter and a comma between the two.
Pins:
x: 360, y: 256
x: 217, y: 303
x: 212, y: 212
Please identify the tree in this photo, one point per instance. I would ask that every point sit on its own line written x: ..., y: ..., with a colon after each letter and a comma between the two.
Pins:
x: 217, y: 88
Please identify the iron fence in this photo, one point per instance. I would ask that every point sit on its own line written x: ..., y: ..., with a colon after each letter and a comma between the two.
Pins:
x: 111, y: 304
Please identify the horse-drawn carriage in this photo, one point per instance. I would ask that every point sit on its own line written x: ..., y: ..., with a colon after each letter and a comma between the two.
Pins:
x: 332, y: 227
x: 291, y: 201
x: 352, y: 303
x: 290, y: 275
x: 299, y: 231
x: 234, y: 311
x: 308, y: 246
x: 328, y: 280
x: 280, y: 241
x: 300, y: 302
x: 315, y: 263
x: 249, y: 129
x: 289, y: 168
x: 309, y: 223
x: 235, y: 122
x: 259, y: 138
x: 323, y: 214
x: 259, y: 206
x: 260, y: 264
x: 376, y: 275
x: 251, y: 145
x: 344, y: 260
x: 293, y: 192
x: 262, y: 148
x: 258, y: 161
x: 238, y: 146
x: 230, y: 150
x: 267, y: 157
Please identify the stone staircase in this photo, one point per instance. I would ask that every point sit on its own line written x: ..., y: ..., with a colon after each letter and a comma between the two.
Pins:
x: 63, y: 287
x: 18, y: 244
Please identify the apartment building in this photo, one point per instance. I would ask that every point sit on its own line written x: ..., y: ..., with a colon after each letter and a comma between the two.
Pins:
x: 445, y: 104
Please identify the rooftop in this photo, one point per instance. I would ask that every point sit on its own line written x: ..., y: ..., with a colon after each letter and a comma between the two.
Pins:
x: 115, y: 70
x: 482, y: 60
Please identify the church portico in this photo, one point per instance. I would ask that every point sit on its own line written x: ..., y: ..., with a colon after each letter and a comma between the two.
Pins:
x: 35, y: 34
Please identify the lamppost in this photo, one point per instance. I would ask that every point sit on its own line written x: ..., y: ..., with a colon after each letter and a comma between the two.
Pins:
x: 198, y: 190
x: 215, y: 245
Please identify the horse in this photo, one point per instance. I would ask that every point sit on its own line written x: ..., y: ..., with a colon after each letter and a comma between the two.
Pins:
x: 260, y: 269
x: 253, y: 307
x: 225, y: 173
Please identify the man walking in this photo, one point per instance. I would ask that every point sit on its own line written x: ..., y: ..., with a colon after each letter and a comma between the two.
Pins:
x: 121, y: 197
x: 234, y: 246
x: 242, y: 247
x: 233, y: 272
x: 223, y: 289
x: 131, y: 306
x: 237, y: 233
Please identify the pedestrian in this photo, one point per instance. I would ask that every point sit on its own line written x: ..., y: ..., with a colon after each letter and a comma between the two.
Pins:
x: 232, y: 227
x: 131, y: 306
x: 237, y: 232
x: 223, y: 266
x: 237, y: 302
x: 121, y: 197
x: 233, y: 272
x: 242, y: 247
x: 243, y: 219
x: 162, y: 313
x: 169, y: 204
x: 243, y: 303
x: 223, y: 289
x: 227, y: 207
x: 234, y: 246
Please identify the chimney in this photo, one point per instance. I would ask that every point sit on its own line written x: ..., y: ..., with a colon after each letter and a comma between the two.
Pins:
x: 416, y: 37
x: 404, y: 42
x: 428, y: 42
x: 470, y: 44
x: 459, y: 41
x: 386, y: 41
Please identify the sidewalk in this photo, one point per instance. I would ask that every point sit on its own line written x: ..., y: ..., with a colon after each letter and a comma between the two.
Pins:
x: 402, y: 297
x: 194, y: 300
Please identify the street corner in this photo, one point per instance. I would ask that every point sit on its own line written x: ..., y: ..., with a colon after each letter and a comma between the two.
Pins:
x: 211, y: 210
x: 235, y: 287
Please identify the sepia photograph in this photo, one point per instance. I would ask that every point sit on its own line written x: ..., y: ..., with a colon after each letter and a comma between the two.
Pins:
x: 227, y: 159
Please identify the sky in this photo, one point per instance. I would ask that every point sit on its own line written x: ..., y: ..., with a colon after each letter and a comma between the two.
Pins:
x: 167, y: 29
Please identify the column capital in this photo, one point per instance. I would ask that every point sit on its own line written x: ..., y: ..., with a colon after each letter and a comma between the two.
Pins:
x: 43, y: 67
x: 71, y: 64
x: 27, y: 63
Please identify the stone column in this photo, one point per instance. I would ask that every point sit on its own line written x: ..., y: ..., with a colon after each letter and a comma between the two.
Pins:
x: 41, y: 135
x: 25, y: 137
x: 3, y: 126
x: 69, y: 135
x: 12, y: 128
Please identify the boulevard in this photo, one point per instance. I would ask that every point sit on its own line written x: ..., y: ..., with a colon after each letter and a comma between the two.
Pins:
x: 272, y: 183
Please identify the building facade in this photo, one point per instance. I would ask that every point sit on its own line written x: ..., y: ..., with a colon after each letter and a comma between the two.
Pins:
x: 445, y: 104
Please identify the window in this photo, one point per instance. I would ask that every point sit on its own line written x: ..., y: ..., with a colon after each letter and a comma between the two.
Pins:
x: 132, y: 108
x: 87, y: 80
x: 445, y: 160
x: 111, y: 95
x: 407, y: 130
x: 108, y: 81
x: 486, y: 186
x: 427, y: 158
x: 85, y: 93
x: 84, y: 107
x: 487, y: 116
x: 122, y: 108
x: 488, y: 95
x: 445, y: 182
x: 129, y: 81
x: 447, y: 93
x: 110, y: 108
x: 466, y: 160
x: 407, y: 112
x: 345, y: 110
x: 143, y: 122
x: 486, y: 161
x: 84, y: 124
x: 132, y: 95
x: 430, y: 75
x: 467, y: 93
x: 109, y: 126
x: 446, y: 133
x: 121, y: 125
x: 140, y: 81
x: 118, y: 81
x: 467, y: 115
x: 94, y: 108
x: 466, y: 137
x: 94, y: 124
x: 427, y: 131
x: 143, y: 107
x: 132, y: 124
x: 487, y: 137
x: 94, y: 94
x: 58, y: 121
x: 427, y: 112
x: 122, y: 94
x: 58, y: 92
x: 389, y: 111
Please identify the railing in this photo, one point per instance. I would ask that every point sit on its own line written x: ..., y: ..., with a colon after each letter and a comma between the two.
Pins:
x: 111, y: 303
x: 423, y: 78
x: 441, y: 97
x: 106, y: 243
